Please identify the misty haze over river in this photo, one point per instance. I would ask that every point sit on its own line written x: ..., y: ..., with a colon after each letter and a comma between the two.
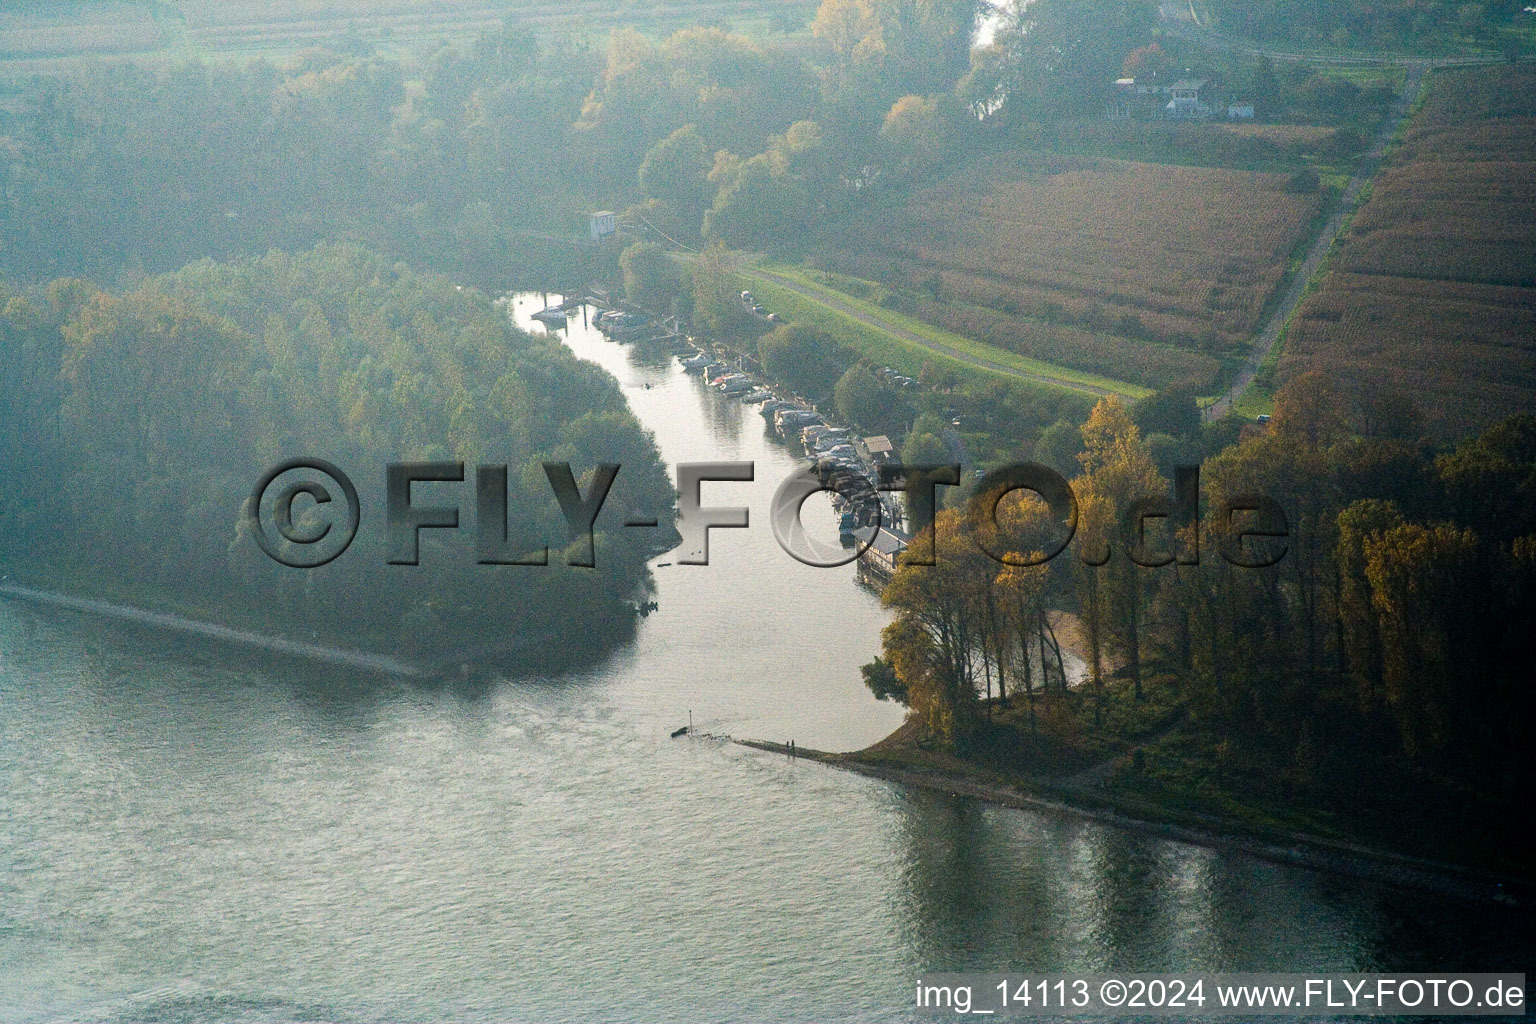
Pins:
x: 194, y: 832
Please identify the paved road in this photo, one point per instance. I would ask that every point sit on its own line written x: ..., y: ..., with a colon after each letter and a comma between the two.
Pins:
x: 1369, y: 166
x: 917, y: 339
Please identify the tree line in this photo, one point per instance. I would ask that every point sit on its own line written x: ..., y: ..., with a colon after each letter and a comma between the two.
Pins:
x: 1388, y: 638
x: 472, y: 157
x: 136, y: 421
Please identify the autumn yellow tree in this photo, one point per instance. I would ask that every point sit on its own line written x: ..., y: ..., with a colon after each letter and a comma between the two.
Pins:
x: 1118, y: 472
x: 1421, y: 580
x: 933, y: 643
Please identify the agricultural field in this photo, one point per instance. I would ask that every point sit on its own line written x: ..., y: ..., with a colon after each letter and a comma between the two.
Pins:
x: 1149, y: 273
x: 1432, y: 292
x: 1243, y: 146
x: 51, y: 29
x: 212, y: 28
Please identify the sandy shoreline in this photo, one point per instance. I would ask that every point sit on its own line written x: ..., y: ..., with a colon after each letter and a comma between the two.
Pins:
x: 1311, y: 852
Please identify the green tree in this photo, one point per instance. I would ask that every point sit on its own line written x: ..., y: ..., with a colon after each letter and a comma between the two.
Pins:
x: 650, y: 279
x: 883, y: 682
x: 761, y: 203
x: 716, y: 293
x: 1172, y: 411
x: 676, y: 171
x: 1056, y: 55
x: 916, y: 134
x: 803, y: 357
x: 862, y: 398
x: 922, y: 448
x: 1424, y: 586
x: 1059, y: 446
x: 1360, y: 642
x: 1489, y: 481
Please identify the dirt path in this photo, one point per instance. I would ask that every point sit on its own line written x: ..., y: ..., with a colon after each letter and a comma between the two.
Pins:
x: 1343, y: 207
x: 832, y: 302
x: 1180, y: 19
x: 1095, y: 775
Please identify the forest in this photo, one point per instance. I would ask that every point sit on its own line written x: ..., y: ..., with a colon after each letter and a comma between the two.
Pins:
x: 135, y: 422
x: 1374, y: 674
x: 212, y: 268
x: 171, y: 225
x: 473, y: 156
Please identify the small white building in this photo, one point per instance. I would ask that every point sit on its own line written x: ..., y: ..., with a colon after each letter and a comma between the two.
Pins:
x: 1240, y: 111
x: 1185, y: 100
x: 602, y: 224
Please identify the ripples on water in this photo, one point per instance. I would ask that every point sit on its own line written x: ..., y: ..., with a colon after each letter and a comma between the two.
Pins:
x: 190, y: 833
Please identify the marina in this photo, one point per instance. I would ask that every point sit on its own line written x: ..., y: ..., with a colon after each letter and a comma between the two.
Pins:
x: 847, y: 463
x: 233, y: 838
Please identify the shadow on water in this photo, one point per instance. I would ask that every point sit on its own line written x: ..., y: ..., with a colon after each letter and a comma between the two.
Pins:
x: 653, y: 357
x: 139, y: 664
x: 724, y: 420
x: 982, y: 886
x: 969, y: 893
x: 985, y: 886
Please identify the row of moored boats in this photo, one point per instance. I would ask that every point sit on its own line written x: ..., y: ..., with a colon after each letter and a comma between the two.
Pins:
x: 833, y: 451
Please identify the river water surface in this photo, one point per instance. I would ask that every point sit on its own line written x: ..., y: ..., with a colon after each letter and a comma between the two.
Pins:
x: 191, y: 833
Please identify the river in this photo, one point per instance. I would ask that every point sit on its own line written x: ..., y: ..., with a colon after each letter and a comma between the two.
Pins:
x: 192, y: 833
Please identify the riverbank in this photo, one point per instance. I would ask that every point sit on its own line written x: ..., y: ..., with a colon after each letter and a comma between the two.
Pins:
x: 958, y: 778
x: 341, y: 656
x: 163, y: 614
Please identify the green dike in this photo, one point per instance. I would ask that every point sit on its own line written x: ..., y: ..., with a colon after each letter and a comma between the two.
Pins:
x: 889, y: 348
x: 871, y: 344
